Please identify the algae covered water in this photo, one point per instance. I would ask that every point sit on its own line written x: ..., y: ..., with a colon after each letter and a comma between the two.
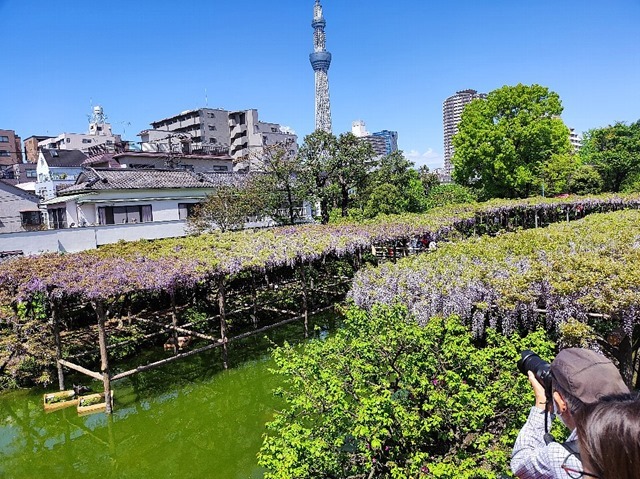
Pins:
x: 189, y: 419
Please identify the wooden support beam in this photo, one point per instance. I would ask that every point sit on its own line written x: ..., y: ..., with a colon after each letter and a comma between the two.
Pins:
x: 181, y: 330
x: 104, y: 354
x: 80, y: 369
x: 174, y: 322
x: 219, y: 343
x: 58, y: 341
x: 162, y: 362
x: 223, y: 320
x: 281, y: 311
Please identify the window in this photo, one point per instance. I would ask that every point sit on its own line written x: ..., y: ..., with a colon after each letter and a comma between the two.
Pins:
x: 109, y: 142
x: 186, y: 210
x: 117, y: 215
x: 212, y: 128
x: 4, y: 153
x: 31, y: 173
x: 220, y: 168
x: 213, y: 141
x: 4, y: 139
x: 31, y: 218
x: 86, y: 140
x: 68, y: 140
x: 212, y: 115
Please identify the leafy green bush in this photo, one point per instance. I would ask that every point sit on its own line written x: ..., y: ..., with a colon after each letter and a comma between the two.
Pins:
x: 452, y: 194
x: 388, y: 398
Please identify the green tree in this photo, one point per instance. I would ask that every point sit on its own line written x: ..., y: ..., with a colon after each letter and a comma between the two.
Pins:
x: 394, y: 187
x: 557, y: 172
x: 585, y: 181
x: 505, y: 141
x: 429, y: 179
x: 352, y: 164
x: 387, y: 398
x: 226, y: 208
x: 279, y: 182
x: 317, y: 159
x: 614, y: 151
x: 451, y: 194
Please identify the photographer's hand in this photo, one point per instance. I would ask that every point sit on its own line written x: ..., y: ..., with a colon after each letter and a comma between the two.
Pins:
x: 538, y: 390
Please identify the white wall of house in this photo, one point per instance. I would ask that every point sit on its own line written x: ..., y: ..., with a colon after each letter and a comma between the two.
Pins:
x: 72, y: 240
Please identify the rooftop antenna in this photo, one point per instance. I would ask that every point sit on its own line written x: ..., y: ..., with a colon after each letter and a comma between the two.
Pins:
x: 206, y: 98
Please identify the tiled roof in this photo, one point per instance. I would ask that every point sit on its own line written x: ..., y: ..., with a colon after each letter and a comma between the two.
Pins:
x: 102, y: 158
x: 63, y: 158
x: 102, y: 179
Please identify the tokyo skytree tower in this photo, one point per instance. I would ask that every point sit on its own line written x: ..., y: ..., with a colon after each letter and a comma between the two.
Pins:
x: 320, y: 61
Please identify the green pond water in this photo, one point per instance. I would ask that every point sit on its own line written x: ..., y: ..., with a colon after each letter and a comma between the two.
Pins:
x: 188, y: 419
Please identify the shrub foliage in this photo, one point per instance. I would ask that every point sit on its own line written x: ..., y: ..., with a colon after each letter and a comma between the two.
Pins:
x: 386, y: 397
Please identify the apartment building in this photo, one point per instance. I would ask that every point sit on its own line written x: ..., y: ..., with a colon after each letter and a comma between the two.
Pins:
x: 452, y: 109
x: 212, y: 130
x: 99, y: 133
x: 383, y: 142
x: 10, y: 148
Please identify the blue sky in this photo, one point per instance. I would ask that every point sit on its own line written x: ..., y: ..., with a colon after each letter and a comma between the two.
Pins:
x: 394, y: 62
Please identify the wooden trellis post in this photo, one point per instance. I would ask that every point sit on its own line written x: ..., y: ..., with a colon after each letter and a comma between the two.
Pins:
x: 56, y: 336
x: 104, y: 356
x: 223, y: 320
x: 174, y: 322
x: 254, y: 300
x: 305, y: 303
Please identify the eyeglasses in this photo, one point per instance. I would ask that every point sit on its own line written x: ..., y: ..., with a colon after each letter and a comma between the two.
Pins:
x: 574, y: 473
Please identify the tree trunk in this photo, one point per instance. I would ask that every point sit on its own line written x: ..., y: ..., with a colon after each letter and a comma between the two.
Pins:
x: 292, y: 217
x: 345, y: 200
x: 324, y: 211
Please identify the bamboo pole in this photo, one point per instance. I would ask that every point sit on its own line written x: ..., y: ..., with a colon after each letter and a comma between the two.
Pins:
x: 104, y: 355
x: 223, y: 321
x: 80, y: 369
x: 56, y: 336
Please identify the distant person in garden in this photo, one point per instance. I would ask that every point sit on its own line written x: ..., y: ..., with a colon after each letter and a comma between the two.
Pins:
x: 579, y: 377
x: 609, y: 437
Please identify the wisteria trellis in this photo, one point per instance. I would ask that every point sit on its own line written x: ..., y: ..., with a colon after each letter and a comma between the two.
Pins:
x: 587, y: 271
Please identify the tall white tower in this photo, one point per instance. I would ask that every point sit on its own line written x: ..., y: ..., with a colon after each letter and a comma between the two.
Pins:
x: 320, y: 61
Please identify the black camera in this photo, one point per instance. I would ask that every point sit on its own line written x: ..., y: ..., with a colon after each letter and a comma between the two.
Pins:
x: 530, y: 361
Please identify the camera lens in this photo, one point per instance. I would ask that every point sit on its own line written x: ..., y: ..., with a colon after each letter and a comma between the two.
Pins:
x: 530, y: 361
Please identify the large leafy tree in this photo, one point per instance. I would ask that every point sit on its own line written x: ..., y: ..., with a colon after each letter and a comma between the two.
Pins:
x: 386, y: 397
x: 279, y: 182
x: 227, y: 207
x: 394, y: 187
x: 317, y: 160
x: 352, y: 164
x: 505, y: 141
x: 615, y: 153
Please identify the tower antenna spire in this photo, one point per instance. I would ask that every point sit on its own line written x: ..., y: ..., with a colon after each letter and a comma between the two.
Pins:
x: 320, y: 61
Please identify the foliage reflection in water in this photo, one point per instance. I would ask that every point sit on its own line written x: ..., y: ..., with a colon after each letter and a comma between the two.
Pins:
x: 187, y: 419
